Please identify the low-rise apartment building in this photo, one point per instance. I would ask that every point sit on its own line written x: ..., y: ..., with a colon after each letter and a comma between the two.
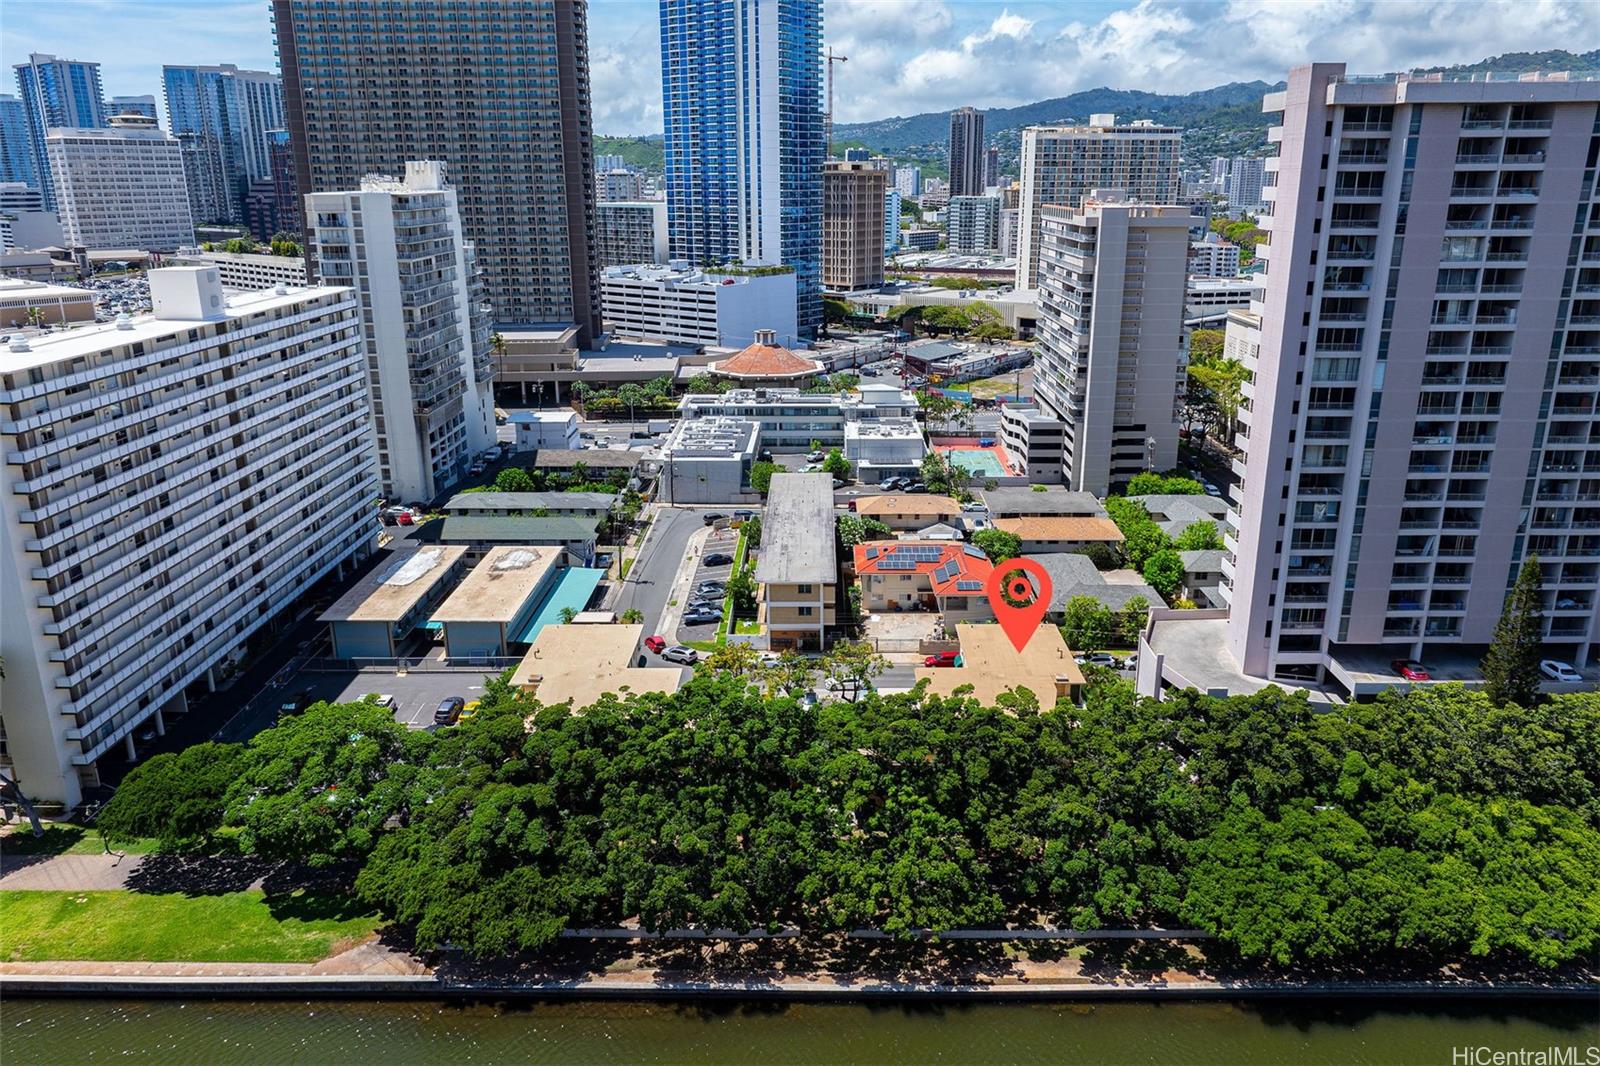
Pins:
x: 799, y: 568
x: 708, y: 460
x: 942, y: 577
x: 884, y: 448
x: 174, y: 482
x: 909, y: 512
x: 1059, y: 533
x: 59, y: 304
x: 1033, y: 442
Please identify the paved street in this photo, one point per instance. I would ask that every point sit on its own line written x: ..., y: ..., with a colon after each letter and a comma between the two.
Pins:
x: 650, y: 581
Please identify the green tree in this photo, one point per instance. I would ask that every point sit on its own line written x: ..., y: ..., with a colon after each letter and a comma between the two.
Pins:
x: 998, y: 544
x: 176, y: 798
x: 989, y: 332
x: 1199, y: 536
x: 761, y: 473
x: 1103, y: 556
x: 633, y: 395
x: 513, y: 479
x: 836, y: 464
x: 751, y: 528
x: 733, y: 657
x: 1087, y: 624
x: 1205, y: 345
x: 319, y: 787
x: 1142, y: 538
x: 1164, y: 571
x: 632, y: 617
x: 853, y: 665
x: 567, y: 614
x: 857, y: 529
x: 497, y: 348
x: 742, y: 590
x: 1223, y: 380
x: 1131, y: 620
x: 1511, y: 665
x: 1150, y: 483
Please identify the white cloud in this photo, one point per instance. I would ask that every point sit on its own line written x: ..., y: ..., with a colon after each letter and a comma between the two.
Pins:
x: 905, y: 57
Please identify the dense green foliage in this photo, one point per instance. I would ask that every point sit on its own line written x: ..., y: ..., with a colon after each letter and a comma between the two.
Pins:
x: 1199, y: 536
x: 1150, y: 483
x: 1425, y: 826
x: 173, y: 798
x: 1142, y: 538
x: 1511, y: 665
x: 998, y: 544
x: 856, y: 529
x: 761, y: 472
x: 1164, y: 572
x: 1089, y: 625
x: 836, y: 464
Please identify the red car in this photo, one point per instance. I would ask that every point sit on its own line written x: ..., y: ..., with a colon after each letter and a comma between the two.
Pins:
x: 944, y: 658
x: 1410, y: 669
x: 655, y: 644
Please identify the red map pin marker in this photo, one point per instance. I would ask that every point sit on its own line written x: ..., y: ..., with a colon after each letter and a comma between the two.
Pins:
x: 1016, y: 605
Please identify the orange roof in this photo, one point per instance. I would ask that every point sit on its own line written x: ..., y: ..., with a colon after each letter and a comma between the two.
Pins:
x: 917, y: 504
x: 767, y: 361
x: 1061, y: 528
x: 952, y: 569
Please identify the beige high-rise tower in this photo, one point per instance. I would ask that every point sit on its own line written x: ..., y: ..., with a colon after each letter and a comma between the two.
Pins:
x: 852, y: 225
x: 498, y: 91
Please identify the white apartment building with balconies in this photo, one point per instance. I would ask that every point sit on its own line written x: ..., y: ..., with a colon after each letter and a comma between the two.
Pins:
x: 1110, y: 363
x: 1061, y: 164
x: 425, y: 323
x: 173, y: 482
x: 631, y: 231
x: 121, y: 187
x: 973, y: 223
x: 1422, y: 416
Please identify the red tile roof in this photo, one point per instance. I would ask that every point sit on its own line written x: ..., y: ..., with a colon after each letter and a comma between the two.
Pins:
x: 952, y: 569
x: 767, y: 361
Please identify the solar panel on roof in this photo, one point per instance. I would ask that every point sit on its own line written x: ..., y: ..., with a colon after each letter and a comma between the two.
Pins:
x: 897, y: 564
x: 871, y: 553
x: 974, y: 551
x: 969, y: 586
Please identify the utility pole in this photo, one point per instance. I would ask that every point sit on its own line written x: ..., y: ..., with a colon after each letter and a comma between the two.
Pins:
x: 832, y: 59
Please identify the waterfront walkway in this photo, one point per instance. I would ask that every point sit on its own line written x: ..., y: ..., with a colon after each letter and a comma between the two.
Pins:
x: 629, y: 963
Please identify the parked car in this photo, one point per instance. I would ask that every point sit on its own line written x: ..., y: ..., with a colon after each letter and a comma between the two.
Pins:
x: 973, y: 507
x: 943, y: 658
x: 295, y: 704
x: 449, y: 711
x: 1411, y: 670
x: 1556, y: 670
x: 889, y: 484
x: 655, y: 644
x: 711, y: 518
x: 384, y: 700
x: 1098, y: 658
x: 916, y: 486
x: 1211, y: 490
x: 769, y: 658
x: 814, y: 457
x: 679, y: 654
x: 702, y: 618
x: 718, y: 559
x: 744, y: 515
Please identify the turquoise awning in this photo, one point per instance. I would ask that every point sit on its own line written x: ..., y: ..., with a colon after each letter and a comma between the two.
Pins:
x: 573, y: 589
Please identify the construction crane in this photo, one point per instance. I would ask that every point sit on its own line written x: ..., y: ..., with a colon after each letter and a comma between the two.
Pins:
x: 832, y: 59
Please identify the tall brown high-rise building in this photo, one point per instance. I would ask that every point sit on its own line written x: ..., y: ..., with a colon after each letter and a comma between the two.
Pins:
x: 852, y: 225
x: 498, y: 90
x: 967, y: 159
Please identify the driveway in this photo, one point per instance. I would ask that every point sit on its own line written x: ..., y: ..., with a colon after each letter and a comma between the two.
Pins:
x: 649, y: 582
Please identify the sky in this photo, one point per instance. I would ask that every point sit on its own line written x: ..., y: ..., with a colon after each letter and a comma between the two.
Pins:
x: 904, y: 56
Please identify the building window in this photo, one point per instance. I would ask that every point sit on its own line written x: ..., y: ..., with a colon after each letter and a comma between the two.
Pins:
x: 807, y: 612
x: 805, y: 590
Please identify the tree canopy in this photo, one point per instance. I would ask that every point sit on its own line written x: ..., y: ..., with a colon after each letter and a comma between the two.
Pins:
x: 1428, y: 825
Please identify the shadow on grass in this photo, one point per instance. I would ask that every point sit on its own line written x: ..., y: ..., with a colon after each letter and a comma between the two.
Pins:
x: 317, y: 906
x: 57, y: 840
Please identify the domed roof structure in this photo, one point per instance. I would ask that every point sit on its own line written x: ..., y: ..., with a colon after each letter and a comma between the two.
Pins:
x: 766, y: 360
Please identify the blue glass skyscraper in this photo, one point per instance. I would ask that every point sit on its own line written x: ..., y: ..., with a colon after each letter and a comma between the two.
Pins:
x: 223, y: 115
x: 745, y: 137
x: 57, y: 94
x: 16, y: 151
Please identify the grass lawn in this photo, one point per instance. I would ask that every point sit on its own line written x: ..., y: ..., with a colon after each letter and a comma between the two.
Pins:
x: 132, y: 926
x: 988, y: 388
x: 63, y: 839
x: 627, y: 564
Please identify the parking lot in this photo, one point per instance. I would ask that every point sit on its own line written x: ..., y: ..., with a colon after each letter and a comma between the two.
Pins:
x: 720, y: 542
x: 417, y: 694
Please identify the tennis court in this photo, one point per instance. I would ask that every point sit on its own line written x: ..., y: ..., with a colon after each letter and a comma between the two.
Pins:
x: 980, y: 462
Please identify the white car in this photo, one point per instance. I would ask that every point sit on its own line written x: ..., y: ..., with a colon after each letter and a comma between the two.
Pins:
x: 769, y: 658
x: 384, y: 700
x: 1556, y: 670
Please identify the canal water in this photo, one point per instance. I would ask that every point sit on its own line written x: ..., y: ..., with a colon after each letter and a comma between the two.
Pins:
x: 1302, y: 1033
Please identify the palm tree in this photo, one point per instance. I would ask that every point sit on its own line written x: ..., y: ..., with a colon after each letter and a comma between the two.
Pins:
x: 631, y: 394
x: 497, y: 345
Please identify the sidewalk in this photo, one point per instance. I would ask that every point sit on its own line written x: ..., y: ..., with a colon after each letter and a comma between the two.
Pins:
x: 66, y: 873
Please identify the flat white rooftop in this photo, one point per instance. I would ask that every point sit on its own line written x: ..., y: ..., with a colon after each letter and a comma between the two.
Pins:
x: 393, y: 588
x: 499, y: 586
x: 87, y: 340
